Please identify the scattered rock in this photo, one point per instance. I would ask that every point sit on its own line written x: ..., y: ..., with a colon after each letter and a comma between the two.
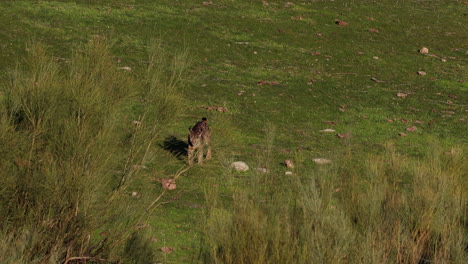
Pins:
x: 214, y: 108
x: 137, y: 123
x: 134, y: 194
x: 424, y: 50
x: 411, y: 129
x: 260, y: 83
x: 168, y: 184
x: 402, y: 95
x: 422, y: 73
x: 373, y: 30
x: 341, y: 23
x: 344, y: 135
x: 297, y: 18
x: 288, y: 173
x: 126, y: 68
x: 375, y: 80
x: 167, y: 250
x: 402, y: 134
x: 328, y: 130
x: 375, y: 58
x: 262, y: 170
x: 289, y: 164
x: 321, y: 161
x: 22, y: 163
x: 240, y: 166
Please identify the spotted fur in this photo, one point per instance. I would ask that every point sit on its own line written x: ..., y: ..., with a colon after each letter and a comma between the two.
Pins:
x: 199, y: 137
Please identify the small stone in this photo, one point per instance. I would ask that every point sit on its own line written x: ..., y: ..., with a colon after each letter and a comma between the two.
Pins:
x: 126, y: 68
x: 240, y: 166
x: 262, y: 170
x: 375, y: 58
x: 134, y: 194
x: 402, y: 134
x: 411, y: 129
x: 344, y: 135
x: 168, y: 184
x: 289, y: 164
x: 424, y: 50
x: 422, y: 73
x: 167, y: 250
x: 402, y: 95
x: 322, y: 161
x: 288, y: 173
x: 341, y: 23
x: 328, y: 130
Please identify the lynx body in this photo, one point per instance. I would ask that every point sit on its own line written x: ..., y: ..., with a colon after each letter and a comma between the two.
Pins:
x: 199, y: 137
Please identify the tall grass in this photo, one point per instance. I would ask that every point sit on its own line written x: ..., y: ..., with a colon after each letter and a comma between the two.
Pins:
x: 387, y: 209
x: 68, y: 148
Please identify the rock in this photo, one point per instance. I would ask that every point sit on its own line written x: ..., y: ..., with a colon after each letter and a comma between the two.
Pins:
x: 240, y: 166
x: 411, y: 129
x: 262, y: 170
x: 322, y: 161
x: 168, y: 184
x: 167, y: 250
x: 341, y: 23
x: 126, y: 68
x: 288, y: 173
x: 344, y: 135
x: 402, y: 95
x: 328, y: 130
x: 424, y: 50
x: 422, y: 73
x: 289, y: 164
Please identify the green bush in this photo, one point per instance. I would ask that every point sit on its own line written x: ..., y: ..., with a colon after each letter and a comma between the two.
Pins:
x: 73, y: 133
x: 387, y: 209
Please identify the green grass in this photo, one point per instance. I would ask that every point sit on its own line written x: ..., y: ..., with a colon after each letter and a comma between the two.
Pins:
x: 184, y: 55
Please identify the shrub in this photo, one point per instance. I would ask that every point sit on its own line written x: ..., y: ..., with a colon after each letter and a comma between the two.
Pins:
x: 66, y: 135
x: 389, y: 209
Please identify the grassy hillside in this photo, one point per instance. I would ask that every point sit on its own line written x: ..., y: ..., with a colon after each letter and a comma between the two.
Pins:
x: 96, y: 98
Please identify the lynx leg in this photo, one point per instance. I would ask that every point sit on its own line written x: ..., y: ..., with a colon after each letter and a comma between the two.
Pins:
x: 200, y: 155
x: 208, y: 153
x: 190, y: 155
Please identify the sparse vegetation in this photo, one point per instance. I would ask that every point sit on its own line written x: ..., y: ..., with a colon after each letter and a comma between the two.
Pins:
x: 69, y: 150
x: 386, y: 209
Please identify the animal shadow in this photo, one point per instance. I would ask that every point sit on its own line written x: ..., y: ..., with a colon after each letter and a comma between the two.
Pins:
x: 175, y: 146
